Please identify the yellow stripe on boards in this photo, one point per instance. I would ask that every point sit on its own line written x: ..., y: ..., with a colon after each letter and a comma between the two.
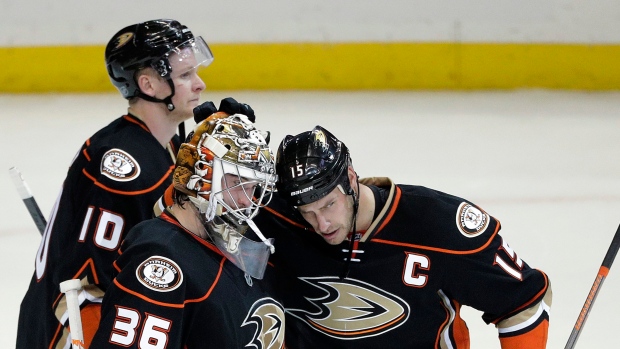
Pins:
x: 339, y: 66
x: 53, y: 69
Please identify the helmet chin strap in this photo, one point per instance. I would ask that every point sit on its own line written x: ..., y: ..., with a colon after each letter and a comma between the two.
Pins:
x: 356, y: 202
x: 167, y: 101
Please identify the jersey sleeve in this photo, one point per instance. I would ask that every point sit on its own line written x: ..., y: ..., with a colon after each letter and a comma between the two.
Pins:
x: 513, y: 296
x: 120, y: 186
x: 97, y: 207
x: 527, y: 328
x: 482, y: 270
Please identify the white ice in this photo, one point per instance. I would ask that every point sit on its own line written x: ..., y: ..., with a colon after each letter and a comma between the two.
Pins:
x: 545, y: 163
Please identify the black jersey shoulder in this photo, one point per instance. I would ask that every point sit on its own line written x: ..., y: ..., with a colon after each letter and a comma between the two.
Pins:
x: 125, y: 157
x: 432, y: 219
x: 189, y: 264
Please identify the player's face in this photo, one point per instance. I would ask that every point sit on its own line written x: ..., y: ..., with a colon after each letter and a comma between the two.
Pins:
x: 239, y: 194
x: 331, y: 216
x: 187, y: 84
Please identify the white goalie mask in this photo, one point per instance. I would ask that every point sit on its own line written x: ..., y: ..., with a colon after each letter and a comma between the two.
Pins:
x: 227, y: 170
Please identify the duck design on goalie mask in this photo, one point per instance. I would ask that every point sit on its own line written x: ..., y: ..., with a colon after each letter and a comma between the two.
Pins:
x: 223, y: 144
x: 220, y: 146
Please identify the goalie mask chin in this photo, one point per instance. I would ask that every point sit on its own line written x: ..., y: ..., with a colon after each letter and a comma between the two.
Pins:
x: 227, y: 171
x: 230, y: 237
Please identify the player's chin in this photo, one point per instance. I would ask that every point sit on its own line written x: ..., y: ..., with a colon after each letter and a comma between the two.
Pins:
x: 187, y: 108
x: 334, y: 238
x: 193, y: 103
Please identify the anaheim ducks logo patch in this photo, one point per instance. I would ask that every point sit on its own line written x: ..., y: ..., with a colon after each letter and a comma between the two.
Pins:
x: 119, y: 166
x: 267, y: 315
x: 160, y: 274
x: 470, y: 220
x: 351, y: 309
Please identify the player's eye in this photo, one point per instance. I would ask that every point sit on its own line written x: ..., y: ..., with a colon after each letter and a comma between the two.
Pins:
x: 329, y: 205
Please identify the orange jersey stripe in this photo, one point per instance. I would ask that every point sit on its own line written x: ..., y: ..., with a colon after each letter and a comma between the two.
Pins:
x: 200, y: 240
x: 277, y: 214
x: 134, y: 121
x: 89, y: 263
x: 443, y: 250
x: 137, y: 192
x: 175, y: 305
x: 91, y: 316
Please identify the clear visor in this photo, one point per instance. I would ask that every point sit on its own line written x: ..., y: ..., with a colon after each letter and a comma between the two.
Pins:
x: 187, y: 58
x: 248, y: 255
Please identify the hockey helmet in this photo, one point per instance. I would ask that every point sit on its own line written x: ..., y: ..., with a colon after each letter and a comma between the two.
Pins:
x: 152, y: 44
x: 310, y: 165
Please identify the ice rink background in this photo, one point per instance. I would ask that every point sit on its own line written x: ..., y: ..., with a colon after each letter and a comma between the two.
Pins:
x: 546, y: 164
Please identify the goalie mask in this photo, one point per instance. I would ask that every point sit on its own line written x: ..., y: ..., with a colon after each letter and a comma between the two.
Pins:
x: 227, y: 171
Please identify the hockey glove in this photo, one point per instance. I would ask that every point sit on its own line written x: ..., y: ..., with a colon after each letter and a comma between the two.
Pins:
x: 230, y: 106
x: 203, y: 111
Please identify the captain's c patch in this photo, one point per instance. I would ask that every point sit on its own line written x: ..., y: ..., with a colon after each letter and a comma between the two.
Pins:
x: 119, y: 166
x: 160, y: 274
x: 470, y: 220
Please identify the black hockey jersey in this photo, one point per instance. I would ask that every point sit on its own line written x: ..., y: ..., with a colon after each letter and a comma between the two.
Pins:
x: 425, y: 255
x: 176, y: 290
x: 111, y: 185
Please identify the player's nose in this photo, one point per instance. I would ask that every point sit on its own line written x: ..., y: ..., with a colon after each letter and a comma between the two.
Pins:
x: 322, y: 223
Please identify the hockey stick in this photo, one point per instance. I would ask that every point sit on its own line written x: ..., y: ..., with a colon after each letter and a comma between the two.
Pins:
x: 71, y: 288
x: 29, y: 201
x: 598, y: 282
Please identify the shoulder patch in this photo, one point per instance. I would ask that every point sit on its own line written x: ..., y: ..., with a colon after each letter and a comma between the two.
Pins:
x: 160, y: 274
x: 119, y: 166
x: 471, y: 220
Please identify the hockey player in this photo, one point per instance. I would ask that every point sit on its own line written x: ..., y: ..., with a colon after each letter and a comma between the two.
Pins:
x: 186, y: 279
x: 116, y: 176
x: 372, y: 264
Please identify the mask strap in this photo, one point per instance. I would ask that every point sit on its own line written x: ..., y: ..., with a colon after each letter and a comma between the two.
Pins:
x: 260, y: 235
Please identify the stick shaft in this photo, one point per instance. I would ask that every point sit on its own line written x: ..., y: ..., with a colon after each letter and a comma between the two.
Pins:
x: 610, y: 256
x: 28, y: 199
x: 71, y: 288
x: 36, y: 214
x: 585, y: 311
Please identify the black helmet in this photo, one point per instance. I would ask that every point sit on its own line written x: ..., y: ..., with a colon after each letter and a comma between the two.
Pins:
x: 310, y: 165
x: 149, y: 44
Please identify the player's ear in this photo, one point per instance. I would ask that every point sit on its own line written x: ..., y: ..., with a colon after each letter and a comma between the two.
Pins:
x: 146, y: 82
x: 353, y: 178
